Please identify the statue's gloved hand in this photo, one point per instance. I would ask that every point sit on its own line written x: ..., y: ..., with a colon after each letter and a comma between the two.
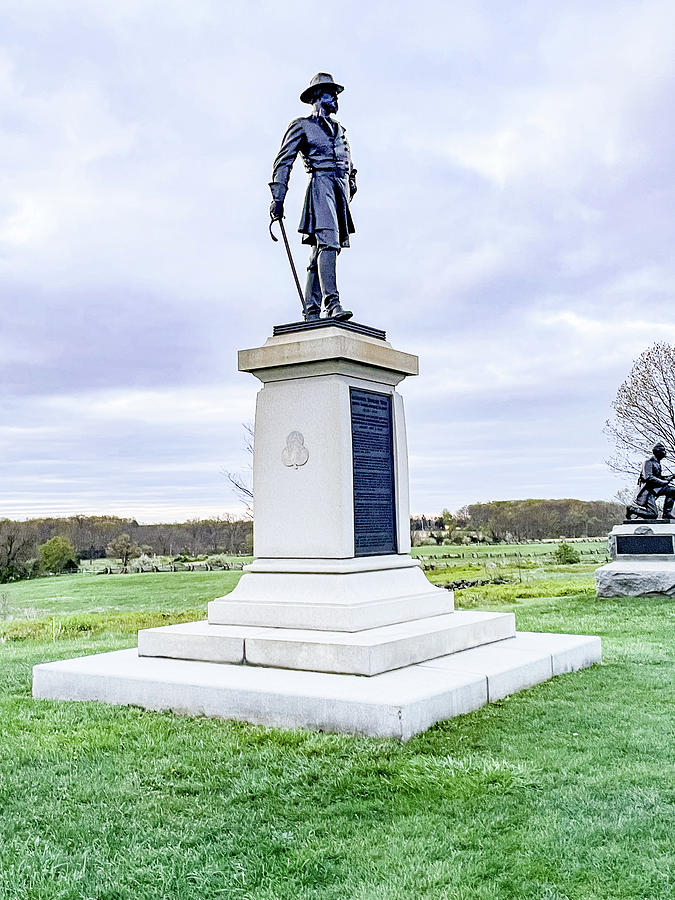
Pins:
x: 352, y: 184
x: 276, y: 210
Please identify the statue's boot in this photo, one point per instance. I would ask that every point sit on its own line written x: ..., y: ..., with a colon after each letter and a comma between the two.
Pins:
x: 328, y: 280
x: 312, y: 303
x: 668, y: 507
x: 636, y: 512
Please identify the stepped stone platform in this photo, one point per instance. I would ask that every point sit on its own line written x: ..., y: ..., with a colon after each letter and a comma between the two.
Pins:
x: 398, y: 704
x: 354, y: 653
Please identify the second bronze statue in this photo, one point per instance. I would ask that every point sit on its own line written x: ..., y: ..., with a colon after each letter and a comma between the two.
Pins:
x: 652, y: 484
x: 326, y: 220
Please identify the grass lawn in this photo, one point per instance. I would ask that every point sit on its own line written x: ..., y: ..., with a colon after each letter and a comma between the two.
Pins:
x: 159, y: 592
x: 487, y: 551
x: 562, y: 792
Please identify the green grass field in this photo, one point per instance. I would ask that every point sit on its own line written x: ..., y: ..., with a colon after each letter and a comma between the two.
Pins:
x: 487, y: 551
x: 562, y: 792
x: 157, y: 592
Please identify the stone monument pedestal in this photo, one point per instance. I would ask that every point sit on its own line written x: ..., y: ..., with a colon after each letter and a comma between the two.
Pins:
x: 334, y: 626
x: 643, y: 560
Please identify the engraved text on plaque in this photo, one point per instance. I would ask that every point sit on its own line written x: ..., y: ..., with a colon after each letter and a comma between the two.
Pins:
x: 373, y: 455
x: 638, y: 544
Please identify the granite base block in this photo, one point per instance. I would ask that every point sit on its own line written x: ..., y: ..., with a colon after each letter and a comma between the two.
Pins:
x: 507, y: 666
x: 569, y: 652
x: 653, y: 577
x: 369, y: 652
x: 331, y: 594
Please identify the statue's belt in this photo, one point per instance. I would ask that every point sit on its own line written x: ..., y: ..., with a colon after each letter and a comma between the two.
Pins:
x: 328, y: 169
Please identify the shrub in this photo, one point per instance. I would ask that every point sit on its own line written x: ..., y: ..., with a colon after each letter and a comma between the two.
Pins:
x: 33, y: 568
x: 145, y: 561
x: 565, y: 554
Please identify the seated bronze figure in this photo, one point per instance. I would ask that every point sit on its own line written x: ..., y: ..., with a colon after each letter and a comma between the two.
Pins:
x: 651, y: 486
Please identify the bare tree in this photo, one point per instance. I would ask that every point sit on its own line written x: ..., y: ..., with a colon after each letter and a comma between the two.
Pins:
x: 242, y: 483
x: 15, y: 547
x: 123, y: 548
x: 644, y: 408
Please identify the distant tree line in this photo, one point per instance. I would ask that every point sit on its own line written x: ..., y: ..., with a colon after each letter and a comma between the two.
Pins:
x: 526, y: 520
x: 22, y: 544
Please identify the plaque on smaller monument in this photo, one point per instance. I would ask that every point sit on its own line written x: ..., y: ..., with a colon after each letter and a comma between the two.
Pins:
x: 644, y: 544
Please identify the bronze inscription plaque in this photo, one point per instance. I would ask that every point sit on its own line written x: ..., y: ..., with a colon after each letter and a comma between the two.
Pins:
x: 374, y: 487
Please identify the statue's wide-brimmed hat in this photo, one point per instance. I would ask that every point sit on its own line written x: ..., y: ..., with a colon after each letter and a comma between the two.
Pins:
x: 324, y: 81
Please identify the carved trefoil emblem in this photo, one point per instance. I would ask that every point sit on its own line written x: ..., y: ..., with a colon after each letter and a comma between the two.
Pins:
x: 295, y: 454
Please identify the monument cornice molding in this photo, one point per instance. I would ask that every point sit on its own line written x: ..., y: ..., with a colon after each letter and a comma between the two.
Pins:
x: 332, y: 346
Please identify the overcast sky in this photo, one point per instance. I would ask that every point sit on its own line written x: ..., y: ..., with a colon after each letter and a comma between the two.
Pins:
x: 514, y: 223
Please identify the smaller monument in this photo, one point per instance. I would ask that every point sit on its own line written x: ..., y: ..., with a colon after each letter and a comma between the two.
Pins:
x: 643, y: 547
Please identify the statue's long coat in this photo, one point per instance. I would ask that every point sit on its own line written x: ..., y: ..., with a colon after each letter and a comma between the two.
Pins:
x: 323, y: 145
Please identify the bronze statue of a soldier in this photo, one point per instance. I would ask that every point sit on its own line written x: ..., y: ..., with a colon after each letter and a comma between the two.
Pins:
x: 326, y: 221
x: 653, y: 485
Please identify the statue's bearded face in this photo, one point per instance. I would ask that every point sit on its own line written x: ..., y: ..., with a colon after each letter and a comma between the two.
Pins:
x: 659, y: 451
x: 328, y: 102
